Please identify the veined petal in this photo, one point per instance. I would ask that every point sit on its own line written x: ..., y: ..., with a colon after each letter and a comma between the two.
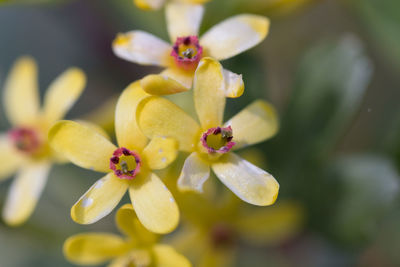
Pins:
x: 10, y: 160
x: 142, y: 48
x: 127, y: 131
x: 234, y: 85
x: 158, y: 84
x: 167, y: 256
x: 81, y: 145
x: 183, y: 19
x: 255, y: 123
x: 149, y: 4
x: 235, y: 35
x: 62, y: 94
x: 154, y: 204
x: 160, y: 117
x: 184, y: 77
x: 160, y: 152
x: 21, y: 96
x: 99, y: 200
x: 194, y: 173
x: 247, y: 181
x: 93, y: 248
x: 25, y: 192
x: 209, y: 93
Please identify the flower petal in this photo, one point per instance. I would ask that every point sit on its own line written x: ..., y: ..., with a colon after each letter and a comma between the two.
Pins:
x: 209, y: 93
x: 62, y: 94
x: 160, y: 152
x: 194, y: 173
x: 129, y: 224
x: 99, y: 200
x: 142, y: 48
x: 185, y: 78
x: 25, y: 192
x: 234, y: 85
x: 149, y: 4
x: 154, y: 204
x: 167, y: 256
x: 160, y: 117
x: 127, y: 131
x: 158, y: 84
x: 10, y: 160
x: 235, y: 35
x: 81, y: 145
x: 255, y: 123
x: 93, y: 248
x: 21, y: 96
x: 183, y: 19
x: 248, y: 182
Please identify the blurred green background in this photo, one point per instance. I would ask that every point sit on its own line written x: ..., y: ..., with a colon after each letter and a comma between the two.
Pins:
x: 329, y: 67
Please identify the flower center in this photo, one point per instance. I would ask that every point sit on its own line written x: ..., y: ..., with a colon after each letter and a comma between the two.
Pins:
x: 222, y: 236
x: 125, y: 163
x: 25, y: 140
x: 218, y: 140
x: 187, y: 52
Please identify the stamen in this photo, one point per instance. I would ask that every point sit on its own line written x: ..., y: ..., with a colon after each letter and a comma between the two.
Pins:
x: 25, y: 140
x: 218, y: 140
x: 187, y: 52
x: 125, y: 163
x: 222, y: 236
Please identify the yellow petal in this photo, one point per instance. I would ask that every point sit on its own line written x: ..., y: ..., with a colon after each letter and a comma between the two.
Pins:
x: 93, y: 248
x: 10, y: 160
x: 157, y: 84
x: 129, y: 224
x: 160, y: 117
x: 81, y: 145
x: 183, y: 19
x: 127, y: 131
x: 99, y: 200
x: 142, y: 48
x: 62, y: 94
x: 248, y: 182
x: 149, y: 4
x: 21, y: 97
x: 185, y: 78
x: 234, y: 86
x: 154, y: 204
x: 137, y: 257
x: 166, y: 256
x: 209, y: 93
x: 160, y: 152
x: 25, y: 192
x: 235, y: 35
x: 254, y: 124
x: 194, y: 173
x: 95, y: 128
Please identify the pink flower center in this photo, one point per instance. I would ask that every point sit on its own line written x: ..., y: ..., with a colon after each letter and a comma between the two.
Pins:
x: 187, y: 52
x: 222, y: 236
x: 218, y: 140
x: 125, y: 163
x: 25, y: 139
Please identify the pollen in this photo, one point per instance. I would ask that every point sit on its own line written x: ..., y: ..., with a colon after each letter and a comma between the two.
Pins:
x: 125, y: 163
x: 187, y: 52
x: 25, y: 140
x: 218, y: 140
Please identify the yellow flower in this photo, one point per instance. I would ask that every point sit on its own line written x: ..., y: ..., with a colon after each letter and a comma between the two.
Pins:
x: 139, y: 248
x: 223, y: 41
x: 210, y: 144
x: 128, y: 167
x: 25, y: 148
x: 156, y: 4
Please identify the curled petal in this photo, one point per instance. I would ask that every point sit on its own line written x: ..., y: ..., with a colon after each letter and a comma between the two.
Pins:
x: 234, y: 85
x: 194, y: 173
x: 158, y: 84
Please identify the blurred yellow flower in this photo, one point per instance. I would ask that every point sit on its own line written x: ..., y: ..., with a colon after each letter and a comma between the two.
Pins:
x: 211, y: 142
x: 156, y: 4
x: 225, y: 40
x: 25, y: 148
x: 128, y: 167
x: 139, y: 248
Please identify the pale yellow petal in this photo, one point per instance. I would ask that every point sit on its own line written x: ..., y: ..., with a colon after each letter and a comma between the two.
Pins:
x: 157, y: 84
x: 255, y: 123
x: 21, y: 96
x: 81, y: 145
x: 167, y: 256
x: 183, y: 19
x: 160, y: 152
x: 234, y: 85
x: 160, y: 117
x: 154, y: 204
x: 142, y: 48
x: 24, y: 192
x: 247, y: 181
x: 10, y: 160
x: 63, y: 93
x: 138, y: 257
x: 194, y: 173
x: 149, y: 4
x: 235, y: 35
x: 184, y: 77
x: 99, y: 200
x: 93, y: 248
x: 127, y: 131
x: 209, y: 93
x: 95, y: 128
